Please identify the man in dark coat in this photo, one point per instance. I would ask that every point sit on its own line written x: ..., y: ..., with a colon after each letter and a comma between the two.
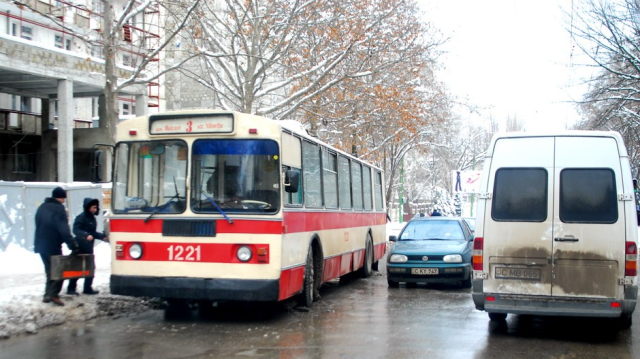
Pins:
x: 52, y: 229
x: 84, y: 228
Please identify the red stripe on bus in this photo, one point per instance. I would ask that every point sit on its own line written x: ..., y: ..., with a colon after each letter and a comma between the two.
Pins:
x: 193, y: 252
x: 314, y: 221
x: 121, y: 225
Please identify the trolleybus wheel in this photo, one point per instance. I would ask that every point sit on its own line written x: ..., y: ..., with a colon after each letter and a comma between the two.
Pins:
x: 309, y: 281
x: 366, y: 269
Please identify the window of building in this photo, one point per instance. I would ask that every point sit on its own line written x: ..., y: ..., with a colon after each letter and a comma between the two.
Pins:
x: 68, y: 45
x: 14, y: 29
x: 125, y: 109
x: 520, y: 194
x: 23, y: 160
x: 126, y: 60
x: 27, y: 32
x: 59, y: 41
x: 25, y: 104
x: 588, y: 195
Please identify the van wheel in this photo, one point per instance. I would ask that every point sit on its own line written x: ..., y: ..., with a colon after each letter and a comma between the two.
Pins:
x: 624, y: 322
x: 392, y: 284
x: 306, y: 297
x: 366, y: 270
x: 498, y: 317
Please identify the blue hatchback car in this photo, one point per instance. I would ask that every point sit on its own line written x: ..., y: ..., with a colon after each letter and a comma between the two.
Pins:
x: 431, y: 250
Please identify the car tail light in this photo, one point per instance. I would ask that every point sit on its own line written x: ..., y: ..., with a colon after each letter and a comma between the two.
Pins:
x: 631, y: 262
x: 478, y: 245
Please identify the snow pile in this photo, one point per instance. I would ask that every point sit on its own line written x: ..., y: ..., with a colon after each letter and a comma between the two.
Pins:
x: 22, y: 286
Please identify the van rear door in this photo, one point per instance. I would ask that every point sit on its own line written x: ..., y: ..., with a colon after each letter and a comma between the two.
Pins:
x: 589, y: 219
x: 518, y: 222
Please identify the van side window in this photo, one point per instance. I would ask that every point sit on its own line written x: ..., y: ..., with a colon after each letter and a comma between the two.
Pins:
x: 588, y: 195
x: 520, y: 194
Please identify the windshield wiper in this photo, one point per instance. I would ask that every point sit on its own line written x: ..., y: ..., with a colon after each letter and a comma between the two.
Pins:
x: 217, y: 207
x: 163, y: 206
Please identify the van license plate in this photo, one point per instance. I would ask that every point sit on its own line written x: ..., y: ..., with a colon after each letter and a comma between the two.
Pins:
x: 424, y: 271
x: 517, y: 273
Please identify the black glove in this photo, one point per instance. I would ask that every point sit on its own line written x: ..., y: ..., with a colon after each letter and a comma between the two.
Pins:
x: 75, y: 251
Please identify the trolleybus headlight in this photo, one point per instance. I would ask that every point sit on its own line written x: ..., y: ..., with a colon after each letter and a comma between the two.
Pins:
x: 135, y: 251
x: 244, y: 253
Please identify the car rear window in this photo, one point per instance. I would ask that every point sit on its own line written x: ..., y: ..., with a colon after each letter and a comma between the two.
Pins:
x: 588, y: 195
x: 520, y: 194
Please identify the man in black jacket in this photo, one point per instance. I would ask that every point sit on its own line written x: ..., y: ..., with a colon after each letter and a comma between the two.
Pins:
x: 52, y: 229
x: 84, y: 228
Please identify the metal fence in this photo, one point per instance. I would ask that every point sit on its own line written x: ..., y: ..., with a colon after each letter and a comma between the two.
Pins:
x: 19, y: 202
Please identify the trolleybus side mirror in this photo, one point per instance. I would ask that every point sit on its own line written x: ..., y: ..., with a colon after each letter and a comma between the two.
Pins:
x: 291, y: 181
x: 100, y: 162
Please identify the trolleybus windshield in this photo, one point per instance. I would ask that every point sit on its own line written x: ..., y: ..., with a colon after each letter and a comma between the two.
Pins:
x: 235, y: 176
x: 150, y: 177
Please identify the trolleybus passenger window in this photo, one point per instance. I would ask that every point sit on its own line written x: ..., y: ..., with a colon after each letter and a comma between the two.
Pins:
x: 330, y: 179
x: 378, y: 191
x: 356, y: 184
x: 311, y: 174
x: 366, y: 186
x: 344, y: 178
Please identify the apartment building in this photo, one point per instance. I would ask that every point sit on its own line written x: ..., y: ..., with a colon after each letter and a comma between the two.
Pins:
x: 52, y: 74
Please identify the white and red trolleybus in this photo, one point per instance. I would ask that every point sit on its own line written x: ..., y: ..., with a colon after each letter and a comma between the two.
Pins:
x: 218, y: 205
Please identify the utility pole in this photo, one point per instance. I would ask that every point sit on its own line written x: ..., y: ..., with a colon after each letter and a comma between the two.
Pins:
x: 473, y: 195
x: 401, y: 192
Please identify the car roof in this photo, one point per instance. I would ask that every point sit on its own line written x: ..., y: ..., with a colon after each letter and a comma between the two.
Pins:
x: 436, y: 218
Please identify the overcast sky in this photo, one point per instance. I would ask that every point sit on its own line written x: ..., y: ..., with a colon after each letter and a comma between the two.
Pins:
x: 512, y: 57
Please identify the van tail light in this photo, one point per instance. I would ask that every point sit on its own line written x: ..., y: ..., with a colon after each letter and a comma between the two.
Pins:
x: 631, y: 260
x: 478, y: 245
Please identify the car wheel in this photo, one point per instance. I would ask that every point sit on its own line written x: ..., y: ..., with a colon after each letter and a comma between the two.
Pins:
x: 392, y: 283
x: 497, y: 317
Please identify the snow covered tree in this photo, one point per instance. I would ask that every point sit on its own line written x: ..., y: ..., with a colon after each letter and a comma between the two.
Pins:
x: 608, y: 32
x: 443, y: 202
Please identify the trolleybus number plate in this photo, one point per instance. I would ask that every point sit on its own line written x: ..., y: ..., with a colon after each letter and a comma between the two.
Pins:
x: 184, y: 253
x: 517, y: 273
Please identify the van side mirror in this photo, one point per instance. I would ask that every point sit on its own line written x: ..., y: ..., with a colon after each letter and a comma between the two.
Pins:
x: 393, y: 239
x: 291, y: 181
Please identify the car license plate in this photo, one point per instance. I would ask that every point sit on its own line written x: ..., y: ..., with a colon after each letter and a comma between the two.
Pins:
x: 517, y: 273
x: 424, y: 271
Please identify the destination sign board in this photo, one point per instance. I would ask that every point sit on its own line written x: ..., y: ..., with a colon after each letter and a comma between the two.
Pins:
x: 161, y: 125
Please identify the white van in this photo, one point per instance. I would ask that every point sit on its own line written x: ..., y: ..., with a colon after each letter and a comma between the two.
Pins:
x: 556, y: 230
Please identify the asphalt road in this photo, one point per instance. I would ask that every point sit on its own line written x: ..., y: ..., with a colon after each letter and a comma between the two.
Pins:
x: 357, y: 318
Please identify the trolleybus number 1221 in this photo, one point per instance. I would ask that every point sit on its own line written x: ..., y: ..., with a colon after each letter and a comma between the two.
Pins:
x: 181, y: 253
